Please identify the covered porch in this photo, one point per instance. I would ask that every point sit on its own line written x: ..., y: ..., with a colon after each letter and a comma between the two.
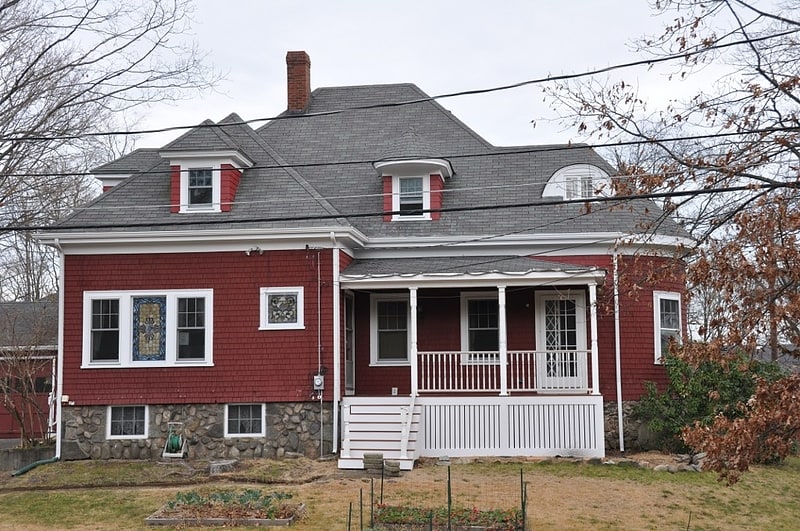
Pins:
x: 485, y: 356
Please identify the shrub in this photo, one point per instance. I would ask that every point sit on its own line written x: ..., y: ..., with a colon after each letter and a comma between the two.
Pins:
x: 697, y: 392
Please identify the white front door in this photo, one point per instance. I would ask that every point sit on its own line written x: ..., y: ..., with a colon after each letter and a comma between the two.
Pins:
x: 562, y: 358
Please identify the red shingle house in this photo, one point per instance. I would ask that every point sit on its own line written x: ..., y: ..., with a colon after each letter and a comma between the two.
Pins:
x: 363, y: 273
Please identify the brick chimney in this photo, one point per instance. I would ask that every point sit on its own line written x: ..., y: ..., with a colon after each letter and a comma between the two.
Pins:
x: 298, y: 78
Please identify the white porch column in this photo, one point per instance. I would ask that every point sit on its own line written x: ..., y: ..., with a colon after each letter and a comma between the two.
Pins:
x: 593, y: 322
x: 502, y: 339
x: 413, y: 334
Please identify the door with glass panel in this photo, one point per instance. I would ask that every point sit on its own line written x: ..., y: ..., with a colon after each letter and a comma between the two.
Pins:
x: 561, y: 358
x: 349, y: 346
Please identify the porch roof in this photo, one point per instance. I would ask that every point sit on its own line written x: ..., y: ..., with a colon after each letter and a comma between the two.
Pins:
x: 465, y: 270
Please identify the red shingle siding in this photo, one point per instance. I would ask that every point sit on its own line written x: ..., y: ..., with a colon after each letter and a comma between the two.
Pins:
x: 175, y: 189
x: 437, y: 185
x: 229, y: 177
x: 249, y: 364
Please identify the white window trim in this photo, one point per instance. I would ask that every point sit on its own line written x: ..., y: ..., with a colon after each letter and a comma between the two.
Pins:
x: 215, y: 165
x: 119, y: 437
x: 126, y: 328
x: 263, y: 431
x: 426, y: 197
x: 580, y: 316
x: 373, y: 330
x: 657, y: 297
x: 465, y: 298
x: 264, y: 293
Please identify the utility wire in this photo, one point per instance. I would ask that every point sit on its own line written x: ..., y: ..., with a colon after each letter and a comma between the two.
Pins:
x: 698, y: 50
x: 497, y: 152
x: 322, y: 217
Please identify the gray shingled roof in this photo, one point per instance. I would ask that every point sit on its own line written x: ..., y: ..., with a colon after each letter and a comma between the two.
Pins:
x: 331, y: 173
x: 467, y: 265
x: 28, y: 324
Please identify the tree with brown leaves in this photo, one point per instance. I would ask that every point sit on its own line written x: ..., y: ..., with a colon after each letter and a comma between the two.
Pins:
x: 727, y: 157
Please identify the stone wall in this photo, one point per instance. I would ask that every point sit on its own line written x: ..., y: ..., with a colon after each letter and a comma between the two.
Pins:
x: 637, y: 435
x: 290, y: 427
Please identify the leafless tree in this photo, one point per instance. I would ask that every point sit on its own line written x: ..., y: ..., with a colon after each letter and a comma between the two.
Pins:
x: 734, y: 142
x: 70, y: 69
x: 28, y: 338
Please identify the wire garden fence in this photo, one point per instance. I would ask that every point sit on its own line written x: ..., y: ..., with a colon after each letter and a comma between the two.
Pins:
x: 453, y: 503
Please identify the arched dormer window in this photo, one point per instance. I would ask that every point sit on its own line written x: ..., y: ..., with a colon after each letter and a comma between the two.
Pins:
x: 579, y: 181
x: 412, y: 188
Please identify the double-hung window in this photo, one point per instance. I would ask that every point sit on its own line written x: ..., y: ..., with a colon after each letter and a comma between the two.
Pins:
x: 142, y: 329
x: 191, y: 328
x: 667, y: 321
x: 479, y: 326
x: 389, y: 330
x: 105, y: 330
x: 201, y: 187
x: 411, y: 197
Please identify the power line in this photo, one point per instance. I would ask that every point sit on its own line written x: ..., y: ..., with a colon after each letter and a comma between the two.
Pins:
x: 698, y: 50
x: 322, y: 217
x: 497, y: 152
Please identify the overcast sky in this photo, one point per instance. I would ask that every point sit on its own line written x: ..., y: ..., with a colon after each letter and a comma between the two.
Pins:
x: 441, y: 46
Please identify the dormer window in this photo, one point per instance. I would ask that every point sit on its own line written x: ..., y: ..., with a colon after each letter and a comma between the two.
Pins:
x: 412, y: 189
x: 200, y: 188
x: 579, y: 181
x: 205, y: 181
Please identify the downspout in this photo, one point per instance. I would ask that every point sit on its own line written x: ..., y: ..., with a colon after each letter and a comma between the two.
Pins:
x: 319, y: 351
x: 617, y: 351
x: 337, y: 346
x: 60, y: 363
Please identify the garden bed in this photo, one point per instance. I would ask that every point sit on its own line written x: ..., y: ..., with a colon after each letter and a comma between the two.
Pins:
x: 395, y: 518
x: 250, y: 507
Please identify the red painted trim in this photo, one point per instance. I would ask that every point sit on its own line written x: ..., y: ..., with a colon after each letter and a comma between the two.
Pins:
x: 229, y: 178
x: 175, y: 189
x: 387, y: 197
x: 437, y: 185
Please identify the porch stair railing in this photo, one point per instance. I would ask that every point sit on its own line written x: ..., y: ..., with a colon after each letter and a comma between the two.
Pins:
x: 563, y: 371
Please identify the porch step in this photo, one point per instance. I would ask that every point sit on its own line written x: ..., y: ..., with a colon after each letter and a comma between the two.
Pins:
x: 375, y: 425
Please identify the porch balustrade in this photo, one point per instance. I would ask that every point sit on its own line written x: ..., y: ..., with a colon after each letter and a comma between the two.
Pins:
x: 564, y: 371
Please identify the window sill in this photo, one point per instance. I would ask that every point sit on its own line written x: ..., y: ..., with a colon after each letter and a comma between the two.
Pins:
x: 244, y: 435
x: 399, y: 363
x: 283, y: 327
x: 147, y: 365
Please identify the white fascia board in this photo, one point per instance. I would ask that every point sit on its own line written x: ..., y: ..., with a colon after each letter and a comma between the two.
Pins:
x: 477, y: 280
x: 593, y: 244
x: 523, y: 245
x: 414, y: 167
x: 111, y: 179
x: 200, y: 240
x: 237, y: 158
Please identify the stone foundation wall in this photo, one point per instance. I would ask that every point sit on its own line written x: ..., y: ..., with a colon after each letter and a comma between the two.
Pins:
x: 301, y: 428
x: 636, y: 433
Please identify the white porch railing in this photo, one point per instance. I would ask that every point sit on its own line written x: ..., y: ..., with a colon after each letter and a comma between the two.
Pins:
x: 455, y: 372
